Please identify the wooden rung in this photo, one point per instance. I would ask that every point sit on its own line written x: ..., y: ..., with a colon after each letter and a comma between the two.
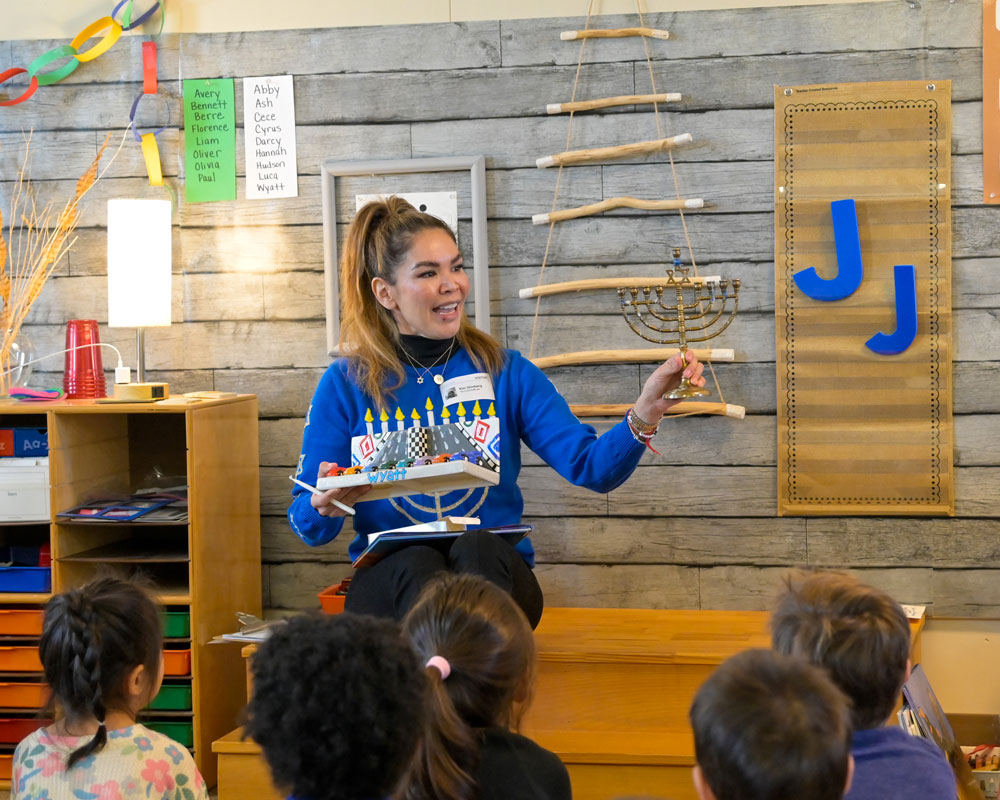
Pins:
x: 614, y: 33
x: 608, y: 102
x: 591, y: 284
x: 617, y: 151
x: 687, y: 407
x: 644, y: 356
x: 616, y: 202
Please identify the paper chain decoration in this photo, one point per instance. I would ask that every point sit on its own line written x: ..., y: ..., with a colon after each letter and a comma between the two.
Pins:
x: 112, y: 30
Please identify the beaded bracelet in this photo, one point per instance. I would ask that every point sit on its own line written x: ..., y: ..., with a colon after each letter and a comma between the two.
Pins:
x: 641, y: 430
x: 639, y: 425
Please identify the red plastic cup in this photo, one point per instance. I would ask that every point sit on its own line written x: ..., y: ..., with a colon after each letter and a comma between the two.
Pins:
x: 84, y: 372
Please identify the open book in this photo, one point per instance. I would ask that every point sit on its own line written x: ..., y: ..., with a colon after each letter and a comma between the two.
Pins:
x: 385, y: 543
x: 443, y: 525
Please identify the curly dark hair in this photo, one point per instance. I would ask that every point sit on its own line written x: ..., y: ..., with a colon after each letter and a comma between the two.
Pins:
x: 338, y: 706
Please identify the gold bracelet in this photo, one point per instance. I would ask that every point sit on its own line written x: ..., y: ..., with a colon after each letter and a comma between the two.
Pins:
x: 639, y: 424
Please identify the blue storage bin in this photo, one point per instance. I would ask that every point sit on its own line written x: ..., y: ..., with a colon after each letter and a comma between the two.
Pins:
x: 25, y: 579
x: 31, y: 442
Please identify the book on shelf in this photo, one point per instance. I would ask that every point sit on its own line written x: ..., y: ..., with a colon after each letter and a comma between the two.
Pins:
x: 141, y: 506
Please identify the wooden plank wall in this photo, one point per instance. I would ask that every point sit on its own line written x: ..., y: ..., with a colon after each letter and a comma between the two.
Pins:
x: 693, y: 528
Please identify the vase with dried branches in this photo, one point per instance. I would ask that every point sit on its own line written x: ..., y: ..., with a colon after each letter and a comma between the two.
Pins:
x: 37, y: 240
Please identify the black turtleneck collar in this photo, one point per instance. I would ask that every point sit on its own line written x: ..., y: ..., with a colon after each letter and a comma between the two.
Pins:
x: 425, y: 351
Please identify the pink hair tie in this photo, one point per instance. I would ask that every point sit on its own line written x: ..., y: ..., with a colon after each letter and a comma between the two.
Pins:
x: 440, y: 663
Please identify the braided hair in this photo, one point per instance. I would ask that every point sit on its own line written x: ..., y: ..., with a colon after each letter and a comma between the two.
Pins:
x: 92, y: 639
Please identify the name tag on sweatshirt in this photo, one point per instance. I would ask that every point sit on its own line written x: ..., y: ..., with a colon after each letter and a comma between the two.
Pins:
x: 467, y: 389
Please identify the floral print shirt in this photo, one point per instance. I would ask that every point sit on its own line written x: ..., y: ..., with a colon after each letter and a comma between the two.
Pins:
x: 135, y: 763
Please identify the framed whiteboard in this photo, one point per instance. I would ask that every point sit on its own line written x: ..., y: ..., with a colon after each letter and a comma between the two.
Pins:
x: 331, y: 170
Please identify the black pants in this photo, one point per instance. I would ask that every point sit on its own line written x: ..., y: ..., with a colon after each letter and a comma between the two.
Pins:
x: 390, y: 587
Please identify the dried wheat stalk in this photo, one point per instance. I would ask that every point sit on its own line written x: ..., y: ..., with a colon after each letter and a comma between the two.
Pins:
x: 37, y: 240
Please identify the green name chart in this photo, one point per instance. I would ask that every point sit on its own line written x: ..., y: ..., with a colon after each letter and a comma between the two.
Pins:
x: 209, y: 140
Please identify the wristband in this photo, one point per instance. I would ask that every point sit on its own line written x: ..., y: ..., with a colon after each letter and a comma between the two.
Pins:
x: 640, y: 424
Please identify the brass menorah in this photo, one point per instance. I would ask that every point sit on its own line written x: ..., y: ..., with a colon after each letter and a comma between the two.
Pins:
x: 680, y: 310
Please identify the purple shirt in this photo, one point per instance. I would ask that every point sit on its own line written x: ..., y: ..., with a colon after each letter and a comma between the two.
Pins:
x: 889, y: 763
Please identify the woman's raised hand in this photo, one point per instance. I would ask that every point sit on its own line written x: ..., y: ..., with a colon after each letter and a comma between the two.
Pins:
x: 651, y: 404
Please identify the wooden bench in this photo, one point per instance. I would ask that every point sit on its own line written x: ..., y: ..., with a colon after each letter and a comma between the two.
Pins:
x: 611, y: 699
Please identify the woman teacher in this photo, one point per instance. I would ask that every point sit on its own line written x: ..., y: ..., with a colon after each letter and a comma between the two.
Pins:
x: 415, y: 360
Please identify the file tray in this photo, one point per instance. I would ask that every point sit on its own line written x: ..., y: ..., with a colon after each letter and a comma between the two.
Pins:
x: 424, y: 479
x: 25, y: 579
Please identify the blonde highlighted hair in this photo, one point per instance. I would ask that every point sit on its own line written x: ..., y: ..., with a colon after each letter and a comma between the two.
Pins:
x: 377, y: 243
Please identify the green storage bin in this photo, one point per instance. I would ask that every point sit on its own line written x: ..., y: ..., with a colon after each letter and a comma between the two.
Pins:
x: 172, y: 698
x: 180, y: 732
x: 177, y: 624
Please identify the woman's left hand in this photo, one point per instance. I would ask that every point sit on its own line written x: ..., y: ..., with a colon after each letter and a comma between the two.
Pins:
x: 651, y: 404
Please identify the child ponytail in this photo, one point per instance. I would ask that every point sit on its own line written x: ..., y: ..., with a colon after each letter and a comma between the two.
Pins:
x: 480, y: 656
x: 92, y: 639
x: 449, y: 750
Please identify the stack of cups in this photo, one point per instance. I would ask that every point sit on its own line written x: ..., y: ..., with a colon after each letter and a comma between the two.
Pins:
x: 84, y: 373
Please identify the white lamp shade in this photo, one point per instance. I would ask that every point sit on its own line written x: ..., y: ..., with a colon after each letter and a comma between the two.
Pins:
x: 139, y: 262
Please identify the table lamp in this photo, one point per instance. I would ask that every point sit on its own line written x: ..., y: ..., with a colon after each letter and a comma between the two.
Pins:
x: 139, y: 270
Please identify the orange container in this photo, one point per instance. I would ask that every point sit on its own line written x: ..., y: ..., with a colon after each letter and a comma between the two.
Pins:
x: 6, y: 766
x: 20, y: 659
x: 332, y: 598
x: 21, y: 621
x: 176, y: 662
x: 23, y: 695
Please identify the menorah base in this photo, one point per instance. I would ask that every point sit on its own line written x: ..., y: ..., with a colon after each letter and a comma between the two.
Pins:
x: 684, y: 392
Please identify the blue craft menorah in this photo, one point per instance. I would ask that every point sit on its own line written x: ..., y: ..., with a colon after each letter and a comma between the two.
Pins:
x: 850, y: 275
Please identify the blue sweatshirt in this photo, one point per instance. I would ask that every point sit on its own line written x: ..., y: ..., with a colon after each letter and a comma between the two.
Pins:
x: 890, y: 763
x: 528, y: 408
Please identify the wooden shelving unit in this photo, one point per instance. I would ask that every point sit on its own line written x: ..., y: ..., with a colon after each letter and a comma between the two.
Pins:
x: 208, y: 566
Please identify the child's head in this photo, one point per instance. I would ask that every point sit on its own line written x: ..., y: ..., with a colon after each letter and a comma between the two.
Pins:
x: 338, y: 706
x: 480, y: 657
x: 859, y: 634
x: 101, y: 649
x: 770, y: 727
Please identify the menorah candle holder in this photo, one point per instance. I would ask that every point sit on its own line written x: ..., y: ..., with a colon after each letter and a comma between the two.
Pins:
x: 680, y: 310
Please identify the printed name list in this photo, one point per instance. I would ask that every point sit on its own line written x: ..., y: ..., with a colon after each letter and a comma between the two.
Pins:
x: 209, y: 140
x: 269, y: 129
